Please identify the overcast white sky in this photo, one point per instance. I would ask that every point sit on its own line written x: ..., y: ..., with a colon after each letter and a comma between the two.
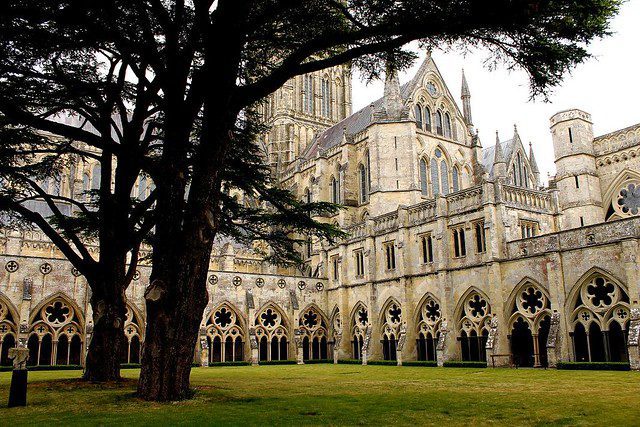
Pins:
x: 607, y: 86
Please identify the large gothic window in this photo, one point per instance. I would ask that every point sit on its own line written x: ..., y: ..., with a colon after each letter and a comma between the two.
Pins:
x: 427, y: 119
x: 96, y: 176
x: 326, y: 97
x: 435, y: 178
x: 455, y: 175
x: 272, y: 334
x: 444, y: 176
x: 418, y: 114
x: 307, y: 94
x: 529, y: 326
x: 55, y: 337
x: 447, y: 125
x: 225, y: 335
x: 359, y: 323
x: 364, y: 184
x: 8, y: 333
x: 600, y: 321
x: 473, y: 326
x: 392, y: 316
x: 428, y: 325
x: 625, y: 198
x: 314, y: 334
x: 439, y: 122
x: 335, y: 190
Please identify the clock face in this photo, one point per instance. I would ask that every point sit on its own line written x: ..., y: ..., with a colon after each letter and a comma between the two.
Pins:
x: 432, y: 89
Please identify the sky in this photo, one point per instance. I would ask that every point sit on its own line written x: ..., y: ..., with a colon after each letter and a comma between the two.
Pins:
x: 607, y: 86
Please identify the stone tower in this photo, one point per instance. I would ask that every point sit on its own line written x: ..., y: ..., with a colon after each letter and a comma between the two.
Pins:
x: 300, y: 109
x: 580, y: 196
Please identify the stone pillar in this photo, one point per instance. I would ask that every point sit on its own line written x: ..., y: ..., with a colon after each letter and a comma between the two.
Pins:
x: 298, y: 338
x: 633, y: 344
x: 443, y: 345
x: 366, y: 343
x: 553, y: 341
x: 253, y: 342
x: 336, y: 346
x: 402, y: 338
x: 204, y: 349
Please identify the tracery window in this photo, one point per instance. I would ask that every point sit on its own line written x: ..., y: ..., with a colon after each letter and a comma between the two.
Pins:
x: 447, y: 125
x: 473, y: 327
x: 359, y: 323
x: 55, y: 335
x: 272, y: 334
x: 600, y: 321
x: 428, y: 325
x: 392, y: 320
x: 444, y: 176
x: 225, y: 335
x: 455, y: 177
x: 364, y: 185
x: 529, y: 326
x: 459, y: 242
x: 307, y: 94
x: 427, y: 119
x: 426, y: 241
x: 142, y: 188
x: 133, y: 328
x: 8, y: 333
x: 335, y: 190
x: 626, y: 201
x: 314, y: 328
x: 95, y: 177
x: 326, y: 97
x: 424, y: 185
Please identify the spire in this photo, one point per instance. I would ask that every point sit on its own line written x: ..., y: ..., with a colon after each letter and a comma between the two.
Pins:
x: 392, y: 98
x: 532, y: 160
x: 498, y: 156
x: 516, y: 135
x: 466, y: 101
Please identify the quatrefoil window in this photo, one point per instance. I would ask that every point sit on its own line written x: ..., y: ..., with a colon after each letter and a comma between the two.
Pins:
x: 629, y: 199
x: 532, y: 300
x: 223, y: 317
x: 310, y: 319
x: 269, y: 318
x: 57, y: 313
x: 601, y: 293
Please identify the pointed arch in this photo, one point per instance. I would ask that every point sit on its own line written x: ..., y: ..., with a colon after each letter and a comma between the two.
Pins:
x: 62, y: 296
x: 427, y: 319
x: 461, y: 301
x: 11, y: 308
x: 226, y: 332
x: 614, y: 199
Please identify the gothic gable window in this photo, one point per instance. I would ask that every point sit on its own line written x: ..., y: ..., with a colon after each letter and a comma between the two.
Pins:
x: 55, y: 337
x: 529, y: 326
x: 430, y: 315
x: 359, y: 323
x: 326, y: 97
x: 392, y: 317
x: 272, y: 334
x: 473, y: 326
x: 313, y: 326
x: 600, y: 320
x: 455, y: 177
x: 8, y: 333
x: 625, y: 198
x: 447, y: 125
x: 307, y: 94
x: 133, y: 328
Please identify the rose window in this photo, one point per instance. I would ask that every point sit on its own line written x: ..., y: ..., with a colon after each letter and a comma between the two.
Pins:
x: 57, y: 313
x: 310, y: 319
x: 269, y: 318
x: 223, y: 317
x: 363, y: 316
x: 394, y: 314
x: 629, y: 199
x: 601, y: 293
x: 477, y: 306
x: 532, y: 300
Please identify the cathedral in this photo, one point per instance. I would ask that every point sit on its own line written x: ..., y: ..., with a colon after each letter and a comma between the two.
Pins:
x: 454, y: 251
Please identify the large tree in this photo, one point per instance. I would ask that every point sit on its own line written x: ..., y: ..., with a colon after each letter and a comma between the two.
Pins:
x: 207, y: 63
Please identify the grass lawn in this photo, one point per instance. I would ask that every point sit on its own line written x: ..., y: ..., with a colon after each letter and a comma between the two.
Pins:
x: 342, y: 394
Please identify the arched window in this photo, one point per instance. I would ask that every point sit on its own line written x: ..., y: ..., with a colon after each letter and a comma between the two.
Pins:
x: 392, y: 316
x: 444, y: 176
x: 439, y: 122
x: 271, y: 333
x: 526, y: 176
x: 427, y: 119
x: 8, y: 333
x: 142, y: 188
x: 418, y: 114
x: 364, y: 185
x: 519, y: 170
x: 529, y: 325
x: 326, y: 97
x: 435, y: 178
x: 308, y: 198
x: 455, y: 175
x: 600, y: 321
x: 428, y: 329
x: 335, y: 190
x: 95, y: 177
x: 133, y: 333
x: 474, y: 323
x: 225, y: 335
x: 359, y: 323
x: 423, y: 178
x: 307, y: 94
x: 447, y: 125
x: 313, y: 326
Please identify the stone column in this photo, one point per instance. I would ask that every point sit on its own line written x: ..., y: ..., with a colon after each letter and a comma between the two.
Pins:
x: 366, y: 343
x: 298, y: 338
x: 253, y: 342
x: 633, y: 344
x: 553, y: 341
x: 402, y: 338
x: 204, y: 349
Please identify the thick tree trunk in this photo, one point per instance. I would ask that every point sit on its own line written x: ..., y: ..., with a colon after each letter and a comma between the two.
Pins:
x: 107, y: 341
x: 172, y: 330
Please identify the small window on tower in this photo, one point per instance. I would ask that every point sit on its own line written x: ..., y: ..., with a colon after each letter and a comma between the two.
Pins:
x: 390, y: 253
x: 427, y: 248
x: 577, y: 182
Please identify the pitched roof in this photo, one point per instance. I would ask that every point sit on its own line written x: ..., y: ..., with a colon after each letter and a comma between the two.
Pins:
x: 488, y: 154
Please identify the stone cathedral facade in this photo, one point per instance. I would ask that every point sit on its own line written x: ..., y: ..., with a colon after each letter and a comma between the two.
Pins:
x: 455, y: 251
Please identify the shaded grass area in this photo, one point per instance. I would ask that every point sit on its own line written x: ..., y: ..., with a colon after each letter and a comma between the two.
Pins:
x: 340, y: 394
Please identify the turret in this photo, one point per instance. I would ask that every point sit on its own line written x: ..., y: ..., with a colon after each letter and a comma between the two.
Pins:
x: 466, y: 102
x: 392, y: 98
x: 499, y: 163
x: 579, y: 195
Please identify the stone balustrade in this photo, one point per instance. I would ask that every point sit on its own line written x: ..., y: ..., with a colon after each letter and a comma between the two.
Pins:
x: 526, y: 198
x: 465, y: 200
x: 423, y: 212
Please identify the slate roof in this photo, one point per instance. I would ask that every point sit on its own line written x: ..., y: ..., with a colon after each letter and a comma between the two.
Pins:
x: 488, y: 154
